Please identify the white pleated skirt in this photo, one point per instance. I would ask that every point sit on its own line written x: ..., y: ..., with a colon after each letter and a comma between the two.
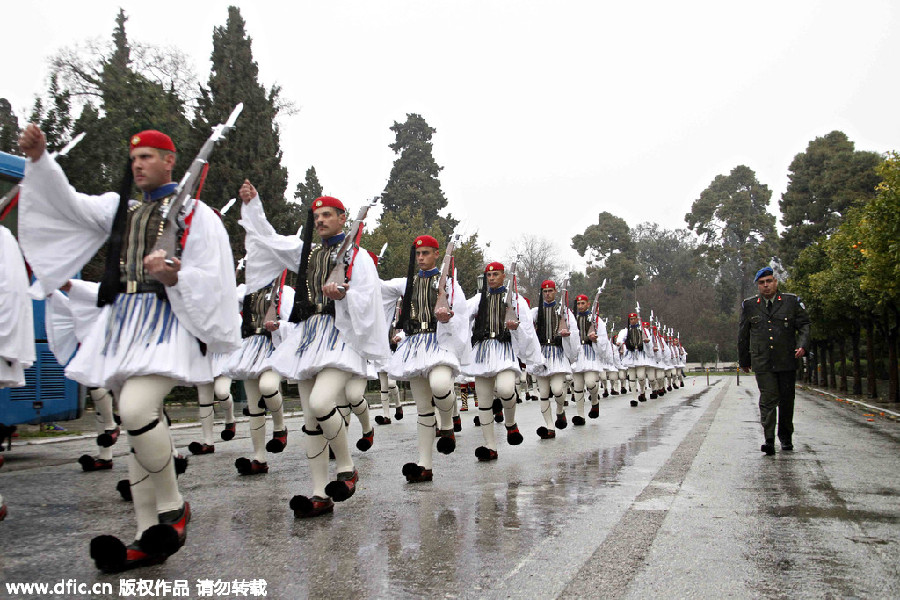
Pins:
x: 555, y: 361
x: 417, y: 354
x: 588, y: 360
x: 636, y: 358
x: 490, y: 357
x: 315, y: 346
x: 252, y: 360
x: 138, y: 335
x: 11, y: 373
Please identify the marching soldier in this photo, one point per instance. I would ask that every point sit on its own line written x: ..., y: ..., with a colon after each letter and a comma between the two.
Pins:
x: 499, y: 342
x: 161, y: 314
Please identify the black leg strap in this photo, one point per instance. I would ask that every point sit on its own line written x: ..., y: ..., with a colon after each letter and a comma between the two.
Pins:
x: 275, y: 393
x: 313, y: 432
x: 259, y: 414
x: 145, y: 428
x: 442, y: 397
x: 206, y: 405
x: 326, y: 417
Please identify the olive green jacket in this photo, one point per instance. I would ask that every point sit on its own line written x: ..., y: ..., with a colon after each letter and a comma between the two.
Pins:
x: 768, y: 338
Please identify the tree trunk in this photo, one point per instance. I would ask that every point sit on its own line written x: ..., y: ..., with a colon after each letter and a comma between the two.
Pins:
x: 842, y: 356
x: 823, y: 364
x: 892, y: 365
x: 870, y: 360
x: 832, y: 372
x: 857, y: 367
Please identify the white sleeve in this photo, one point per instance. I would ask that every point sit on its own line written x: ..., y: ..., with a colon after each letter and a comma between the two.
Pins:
x: 572, y: 344
x: 203, y: 298
x: 16, y: 319
x: 472, y: 306
x: 359, y: 316
x: 524, y: 339
x: 59, y: 228
x: 268, y: 253
x: 284, y: 314
x: 455, y: 334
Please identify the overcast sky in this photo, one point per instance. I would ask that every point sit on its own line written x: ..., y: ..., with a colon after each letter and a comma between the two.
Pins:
x: 547, y: 113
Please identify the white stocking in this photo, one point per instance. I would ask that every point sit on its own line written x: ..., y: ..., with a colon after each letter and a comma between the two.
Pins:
x: 151, y: 469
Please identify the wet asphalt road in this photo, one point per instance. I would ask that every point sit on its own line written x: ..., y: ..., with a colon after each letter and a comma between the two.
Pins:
x: 670, y: 499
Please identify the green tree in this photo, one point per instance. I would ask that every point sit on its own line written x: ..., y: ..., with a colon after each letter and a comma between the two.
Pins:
x: 307, y: 191
x: 609, y: 236
x: 737, y: 233
x: 127, y: 102
x: 252, y: 149
x: 879, y: 229
x: 414, y: 180
x: 9, y: 128
x: 824, y: 182
x: 398, y: 229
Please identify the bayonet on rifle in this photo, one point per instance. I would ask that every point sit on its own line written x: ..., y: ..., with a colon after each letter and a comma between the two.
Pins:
x: 442, y: 301
x: 512, y: 315
x: 167, y: 241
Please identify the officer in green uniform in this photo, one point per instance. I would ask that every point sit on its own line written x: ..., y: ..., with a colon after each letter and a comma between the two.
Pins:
x: 774, y: 333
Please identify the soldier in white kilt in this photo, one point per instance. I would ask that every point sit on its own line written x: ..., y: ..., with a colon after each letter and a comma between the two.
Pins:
x: 161, y: 314
x: 586, y: 370
x: 16, y: 321
x: 559, y: 350
x: 338, y: 330
x: 499, y: 344
x: 429, y: 357
x: 635, y: 351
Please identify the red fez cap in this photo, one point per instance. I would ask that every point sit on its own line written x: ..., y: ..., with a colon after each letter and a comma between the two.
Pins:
x: 646, y: 323
x: 581, y: 297
x: 494, y: 266
x: 548, y: 284
x: 325, y: 201
x: 632, y: 315
x: 426, y: 241
x: 374, y: 257
x: 152, y: 139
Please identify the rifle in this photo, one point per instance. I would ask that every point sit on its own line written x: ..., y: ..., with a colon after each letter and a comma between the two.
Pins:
x: 343, y: 270
x: 381, y: 254
x: 595, y: 309
x: 167, y: 240
x: 446, y: 267
x: 393, y: 329
x: 563, y: 325
x: 8, y: 196
x: 275, y: 299
x: 512, y: 312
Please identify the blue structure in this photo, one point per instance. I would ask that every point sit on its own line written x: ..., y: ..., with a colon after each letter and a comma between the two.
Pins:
x: 45, y: 384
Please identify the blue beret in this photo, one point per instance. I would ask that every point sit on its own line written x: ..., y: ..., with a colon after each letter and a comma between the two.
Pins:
x: 763, y: 272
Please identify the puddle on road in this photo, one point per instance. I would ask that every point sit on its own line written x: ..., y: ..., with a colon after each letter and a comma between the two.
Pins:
x: 510, y: 519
